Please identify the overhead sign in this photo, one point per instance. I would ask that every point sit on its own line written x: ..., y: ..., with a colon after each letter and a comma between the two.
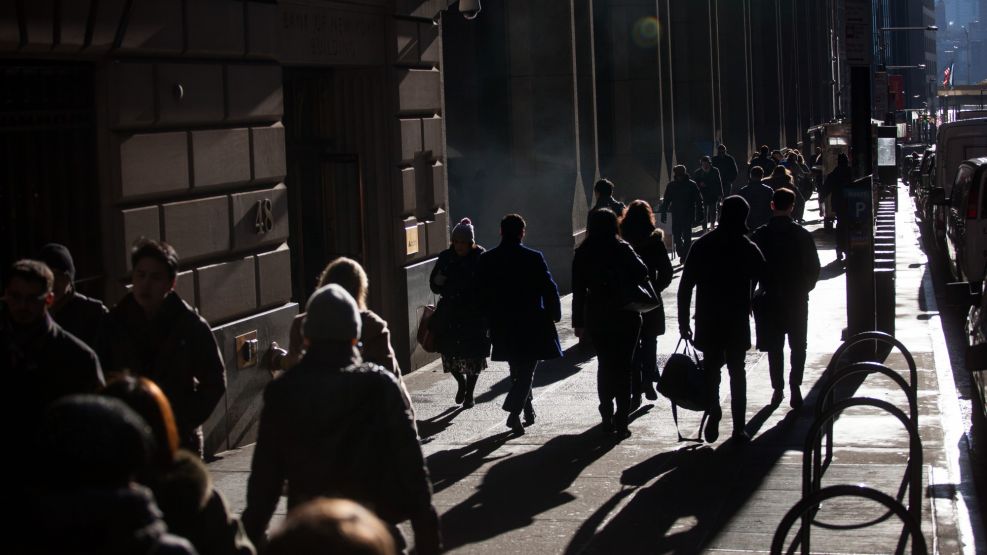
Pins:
x: 859, y: 39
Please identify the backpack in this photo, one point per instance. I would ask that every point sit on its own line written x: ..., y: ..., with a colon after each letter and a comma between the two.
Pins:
x: 684, y: 384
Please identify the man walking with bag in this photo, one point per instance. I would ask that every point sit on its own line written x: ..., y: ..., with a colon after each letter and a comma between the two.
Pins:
x: 722, y: 266
x: 522, y: 305
x: 782, y: 303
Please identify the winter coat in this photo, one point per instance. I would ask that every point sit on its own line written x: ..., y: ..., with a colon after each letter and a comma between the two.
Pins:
x: 333, y: 427
x: 121, y: 521
x: 710, y: 184
x: 791, y: 260
x: 722, y: 266
x: 175, y: 350
x: 758, y: 197
x: 835, y: 185
x: 458, y: 323
x: 766, y: 163
x: 521, y: 302
x: 685, y: 200
x: 40, y: 366
x: 653, y: 253
x: 728, y: 170
x: 602, y: 269
x: 194, y: 509
x: 83, y: 317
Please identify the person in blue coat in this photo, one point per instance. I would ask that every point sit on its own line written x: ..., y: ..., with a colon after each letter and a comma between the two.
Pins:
x: 522, y: 305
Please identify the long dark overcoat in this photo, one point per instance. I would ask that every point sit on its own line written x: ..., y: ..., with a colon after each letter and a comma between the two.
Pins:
x: 459, y: 325
x: 653, y: 253
x: 521, y: 301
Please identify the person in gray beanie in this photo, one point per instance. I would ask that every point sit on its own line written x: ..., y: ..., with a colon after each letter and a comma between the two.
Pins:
x: 335, y: 426
x: 461, y: 333
x: 82, y: 316
x: 722, y: 266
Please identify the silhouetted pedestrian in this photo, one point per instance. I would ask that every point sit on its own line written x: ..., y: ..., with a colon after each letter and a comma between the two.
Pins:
x: 711, y: 188
x: 522, y: 305
x: 637, y: 227
x: 603, y: 198
x: 723, y: 267
x: 758, y: 197
x: 791, y: 271
x: 78, y: 314
x: 836, y: 183
x: 153, y: 333
x: 727, y: 165
x: 683, y: 198
x: 763, y: 160
x: 601, y: 269
x: 334, y: 426
x: 458, y: 323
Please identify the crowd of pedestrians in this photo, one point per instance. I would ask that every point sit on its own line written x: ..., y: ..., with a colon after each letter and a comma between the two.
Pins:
x: 112, y: 401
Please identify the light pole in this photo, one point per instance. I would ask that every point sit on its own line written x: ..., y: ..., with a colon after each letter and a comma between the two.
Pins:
x: 966, y: 31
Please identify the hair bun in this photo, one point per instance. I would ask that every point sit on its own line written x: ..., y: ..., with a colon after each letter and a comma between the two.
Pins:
x: 465, y: 221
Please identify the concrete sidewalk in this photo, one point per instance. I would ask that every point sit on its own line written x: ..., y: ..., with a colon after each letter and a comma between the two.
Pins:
x: 564, y: 487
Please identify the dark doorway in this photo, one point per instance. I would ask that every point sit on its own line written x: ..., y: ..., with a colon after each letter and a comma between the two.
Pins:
x: 325, y: 187
x: 49, y: 191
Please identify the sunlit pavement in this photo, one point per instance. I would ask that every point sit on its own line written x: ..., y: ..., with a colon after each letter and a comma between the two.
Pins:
x: 564, y: 486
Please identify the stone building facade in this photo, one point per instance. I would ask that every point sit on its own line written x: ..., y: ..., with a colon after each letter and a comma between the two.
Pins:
x: 261, y: 139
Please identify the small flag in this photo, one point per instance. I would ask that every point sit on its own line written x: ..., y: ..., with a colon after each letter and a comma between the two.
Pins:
x: 947, y: 76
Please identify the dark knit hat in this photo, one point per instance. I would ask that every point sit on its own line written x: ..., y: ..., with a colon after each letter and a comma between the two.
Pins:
x: 92, y: 441
x: 58, y: 258
x: 331, y: 314
x: 734, y: 213
x: 463, y: 231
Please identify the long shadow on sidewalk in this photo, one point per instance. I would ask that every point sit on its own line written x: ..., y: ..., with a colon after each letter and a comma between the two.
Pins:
x: 548, y: 372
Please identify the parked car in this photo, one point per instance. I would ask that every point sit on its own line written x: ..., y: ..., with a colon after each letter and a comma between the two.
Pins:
x: 976, y: 353
x: 966, y: 223
x: 955, y: 142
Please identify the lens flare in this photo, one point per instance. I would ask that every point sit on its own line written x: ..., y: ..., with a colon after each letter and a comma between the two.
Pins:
x: 645, y: 32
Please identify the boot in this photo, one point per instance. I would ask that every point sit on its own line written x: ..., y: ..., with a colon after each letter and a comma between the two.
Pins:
x: 461, y: 387
x: 470, y: 385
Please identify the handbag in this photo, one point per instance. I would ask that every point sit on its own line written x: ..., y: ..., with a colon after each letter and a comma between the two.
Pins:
x: 683, y: 382
x: 425, y: 336
x: 640, y: 297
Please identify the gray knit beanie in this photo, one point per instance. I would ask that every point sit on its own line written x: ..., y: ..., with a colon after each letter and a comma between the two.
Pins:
x: 463, y: 231
x: 331, y: 314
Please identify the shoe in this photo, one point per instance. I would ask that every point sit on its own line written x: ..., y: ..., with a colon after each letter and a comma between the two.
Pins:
x: 740, y: 437
x: 796, y: 400
x: 635, y: 402
x: 649, y: 392
x: 468, y: 401
x: 529, y: 415
x: 514, y: 423
x: 776, y: 397
x: 712, y: 430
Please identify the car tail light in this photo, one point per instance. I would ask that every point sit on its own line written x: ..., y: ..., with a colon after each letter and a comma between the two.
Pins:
x: 972, y: 203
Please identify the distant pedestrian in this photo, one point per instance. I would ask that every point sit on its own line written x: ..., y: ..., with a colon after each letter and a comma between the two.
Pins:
x: 78, y: 314
x: 763, y: 160
x: 803, y: 185
x: 637, y: 227
x: 835, y: 185
x: 522, y: 305
x: 710, y: 185
x: 191, y: 505
x: 758, y: 197
x: 336, y: 526
x: 603, y: 197
x: 375, y: 337
x: 684, y: 200
x: 791, y: 271
x: 459, y: 324
x: 89, y: 451
x: 727, y: 165
x: 335, y: 426
x: 723, y: 267
x: 601, y: 268
x: 153, y: 333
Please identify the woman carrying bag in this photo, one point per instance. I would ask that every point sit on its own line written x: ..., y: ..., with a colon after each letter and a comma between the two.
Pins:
x: 637, y: 227
x: 461, y: 334
x: 605, y: 273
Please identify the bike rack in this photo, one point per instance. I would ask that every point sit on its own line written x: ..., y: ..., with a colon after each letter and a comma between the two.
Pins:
x: 878, y: 336
x: 812, y: 468
x: 811, y: 503
x: 832, y: 379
